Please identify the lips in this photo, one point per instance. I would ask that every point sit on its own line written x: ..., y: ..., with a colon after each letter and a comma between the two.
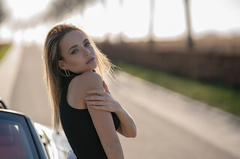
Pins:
x: 90, y: 60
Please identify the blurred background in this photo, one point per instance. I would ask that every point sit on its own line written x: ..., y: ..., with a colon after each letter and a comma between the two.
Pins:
x: 129, y: 21
x: 196, y: 39
x: 191, y: 47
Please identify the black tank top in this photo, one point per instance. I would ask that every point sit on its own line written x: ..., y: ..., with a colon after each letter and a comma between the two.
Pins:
x: 80, y: 131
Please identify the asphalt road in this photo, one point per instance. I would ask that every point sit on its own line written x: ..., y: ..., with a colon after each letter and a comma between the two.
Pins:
x: 165, y: 130
x: 29, y: 93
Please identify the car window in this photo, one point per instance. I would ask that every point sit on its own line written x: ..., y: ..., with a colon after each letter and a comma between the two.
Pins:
x: 14, y: 143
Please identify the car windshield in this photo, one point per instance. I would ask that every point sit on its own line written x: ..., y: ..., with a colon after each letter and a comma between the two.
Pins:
x: 14, y: 143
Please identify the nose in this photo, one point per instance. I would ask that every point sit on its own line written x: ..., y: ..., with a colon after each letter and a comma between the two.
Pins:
x: 87, y: 52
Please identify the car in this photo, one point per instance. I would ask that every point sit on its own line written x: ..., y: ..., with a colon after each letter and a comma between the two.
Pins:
x: 21, y: 138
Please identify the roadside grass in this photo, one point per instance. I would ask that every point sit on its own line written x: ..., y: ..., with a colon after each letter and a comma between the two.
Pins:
x: 3, y: 50
x: 215, y: 94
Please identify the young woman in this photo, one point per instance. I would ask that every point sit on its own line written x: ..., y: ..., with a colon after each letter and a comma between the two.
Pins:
x: 81, y: 102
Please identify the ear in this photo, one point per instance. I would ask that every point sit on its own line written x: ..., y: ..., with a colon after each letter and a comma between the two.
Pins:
x: 61, y: 65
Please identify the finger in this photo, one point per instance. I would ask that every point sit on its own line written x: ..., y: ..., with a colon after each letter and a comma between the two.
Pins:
x: 95, y: 98
x: 96, y: 103
x: 96, y: 91
x: 103, y: 108
x: 105, y: 87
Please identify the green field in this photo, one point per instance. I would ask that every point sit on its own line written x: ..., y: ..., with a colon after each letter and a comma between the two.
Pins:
x: 214, y: 94
x: 3, y: 50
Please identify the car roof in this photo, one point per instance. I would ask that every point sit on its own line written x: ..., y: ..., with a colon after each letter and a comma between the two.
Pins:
x: 12, y: 112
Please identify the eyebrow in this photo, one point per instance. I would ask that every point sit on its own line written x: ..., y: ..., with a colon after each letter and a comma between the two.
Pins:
x: 77, y: 45
x: 72, y: 47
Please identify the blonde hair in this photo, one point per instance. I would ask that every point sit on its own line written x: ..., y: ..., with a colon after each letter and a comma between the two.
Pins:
x: 54, y: 76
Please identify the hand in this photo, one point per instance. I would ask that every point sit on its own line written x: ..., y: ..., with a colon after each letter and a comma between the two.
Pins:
x: 102, y: 100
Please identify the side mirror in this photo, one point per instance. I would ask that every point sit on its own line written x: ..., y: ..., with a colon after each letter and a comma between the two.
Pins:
x: 2, y: 105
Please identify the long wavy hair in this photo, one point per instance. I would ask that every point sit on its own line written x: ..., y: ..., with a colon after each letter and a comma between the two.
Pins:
x: 54, y: 76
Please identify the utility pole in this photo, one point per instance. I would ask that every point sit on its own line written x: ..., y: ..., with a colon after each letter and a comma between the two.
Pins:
x: 188, y: 21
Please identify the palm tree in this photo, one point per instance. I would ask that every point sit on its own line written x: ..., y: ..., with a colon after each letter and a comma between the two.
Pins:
x: 60, y: 8
x: 2, y: 12
x: 188, y: 21
x: 151, y: 34
x: 151, y: 22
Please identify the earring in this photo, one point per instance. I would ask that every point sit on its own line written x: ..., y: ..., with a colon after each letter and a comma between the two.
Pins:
x: 67, y: 72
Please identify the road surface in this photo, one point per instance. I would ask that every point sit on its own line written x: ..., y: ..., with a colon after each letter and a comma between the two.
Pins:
x: 169, y: 125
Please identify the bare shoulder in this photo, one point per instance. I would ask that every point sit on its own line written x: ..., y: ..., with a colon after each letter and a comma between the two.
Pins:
x: 89, y: 75
x: 78, y: 87
x: 87, y: 79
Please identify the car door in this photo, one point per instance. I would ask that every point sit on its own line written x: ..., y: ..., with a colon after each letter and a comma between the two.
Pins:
x: 18, y: 137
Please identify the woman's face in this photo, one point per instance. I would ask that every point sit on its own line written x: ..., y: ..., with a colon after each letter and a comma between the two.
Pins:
x: 77, y: 52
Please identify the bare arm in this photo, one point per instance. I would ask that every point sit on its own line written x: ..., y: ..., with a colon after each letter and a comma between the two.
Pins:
x: 127, y: 127
x: 102, y: 120
x: 102, y: 100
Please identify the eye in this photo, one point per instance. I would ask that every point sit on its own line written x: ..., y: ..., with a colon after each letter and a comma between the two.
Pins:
x: 74, y: 51
x: 87, y: 44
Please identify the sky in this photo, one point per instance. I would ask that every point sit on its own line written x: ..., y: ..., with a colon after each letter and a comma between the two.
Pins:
x: 131, y: 19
